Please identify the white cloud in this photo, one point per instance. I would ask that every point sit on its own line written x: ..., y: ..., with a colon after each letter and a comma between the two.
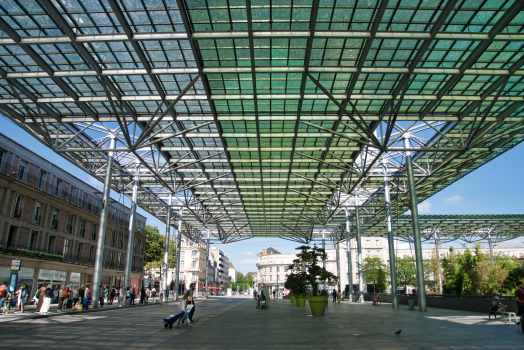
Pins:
x: 248, y: 253
x: 248, y: 262
x: 424, y: 207
x: 456, y: 199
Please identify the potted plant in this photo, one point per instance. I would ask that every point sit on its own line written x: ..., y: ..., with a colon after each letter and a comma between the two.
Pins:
x: 296, y: 283
x: 306, y: 265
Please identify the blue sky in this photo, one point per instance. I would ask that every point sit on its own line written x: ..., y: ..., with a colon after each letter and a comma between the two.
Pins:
x: 495, y: 188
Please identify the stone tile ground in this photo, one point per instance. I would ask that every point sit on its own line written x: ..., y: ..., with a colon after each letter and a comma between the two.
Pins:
x: 233, y: 323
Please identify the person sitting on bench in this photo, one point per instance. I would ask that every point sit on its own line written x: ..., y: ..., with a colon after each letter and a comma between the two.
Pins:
x: 376, y: 299
x: 497, y: 306
x: 261, y: 297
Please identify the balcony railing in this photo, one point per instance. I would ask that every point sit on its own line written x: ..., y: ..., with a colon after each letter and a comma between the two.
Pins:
x: 49, y: 187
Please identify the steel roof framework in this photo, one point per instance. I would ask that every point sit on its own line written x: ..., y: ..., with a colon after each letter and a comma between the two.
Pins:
x: 267, y: 119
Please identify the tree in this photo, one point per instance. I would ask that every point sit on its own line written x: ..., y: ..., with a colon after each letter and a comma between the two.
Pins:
x: 231, y: 265
x: 406, y: 271
x: 376, y: 272
x: 154, y: 249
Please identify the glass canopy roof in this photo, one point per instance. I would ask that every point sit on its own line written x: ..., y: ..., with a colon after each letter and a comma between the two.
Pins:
x: 268, y: 118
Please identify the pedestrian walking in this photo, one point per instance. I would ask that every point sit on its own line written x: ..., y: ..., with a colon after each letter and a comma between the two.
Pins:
x: 101, y: 297
x: 75, y: 295
x: 274, y: 295
x: 41, y: 295
x: 121, y: 297
x: 153, y: 294
x: 48, y: 296
x: 3, y: 293
x: 82, y: 293
x: 334, y: 295
x: 112, y: 296
x: 133, y: 296
x: 142, y: 295
x: 148, y: 293
x: 128, y: 296
x: 184, y: 307
x: 56, y: 294
x: 24, y: 294
x: 61, y: 296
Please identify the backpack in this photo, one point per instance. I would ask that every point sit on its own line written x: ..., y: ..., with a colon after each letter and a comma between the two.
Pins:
x: 2, y: 291
x: 85, y: 303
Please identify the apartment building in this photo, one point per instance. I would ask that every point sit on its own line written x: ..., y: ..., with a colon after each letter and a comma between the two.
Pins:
x: 50, y: 220
x: 222, y: 261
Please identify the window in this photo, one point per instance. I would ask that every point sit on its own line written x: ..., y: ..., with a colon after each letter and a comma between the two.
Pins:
x: 21, y: 170
x: 72, y: 195
x: 271, y: 260
x: 118, y: 259
x: 141, y: 247
x: 54, y: 220
x: 114, y: 215
x: 79, y: 253
x: 69, y: 227
x: 112, y: 239
x: 376, y: 243
x: 38, y: 213
x: 84, y: 201
x: 278, y: 268
x: 134, y: 246
x: 121, y: 218
x: 95, y: 208
x: 121, y: 241
x: 193, y: 277
x: 17, y: 207
x: 194, y: 254
x: 50, y: 244
x: 41, y: 179
x: 58, y: 185
x: 1, y: 157
x: 182, y: 254
x: 82, y: 227
x: 181, y: 264
x: 11, y: 235
x: 93, y: 231
x: 67, y: 247
x: 271, y: 277
x: 193, y: 263
x: 32, y: 240
x: 285, y: 268
x: 91, y: 255
x: 270, y: 269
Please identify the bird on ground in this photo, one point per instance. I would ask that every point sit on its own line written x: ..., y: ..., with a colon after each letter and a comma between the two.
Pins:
x: 398, y: 332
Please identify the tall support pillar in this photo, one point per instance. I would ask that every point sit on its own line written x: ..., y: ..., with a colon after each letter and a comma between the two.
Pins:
x: 166, y: 249
x: 438, y: 263
x: 324, y: 260
x: 178, y: 250
x: 131, y: 231
x: 491, y: 248
x: 350, y: 262
x: 207, y: 266
x: 99, y: 257
x: 359, y: 261
x: 339, y: 273
x: 416, y: 228
x: 391, y: 242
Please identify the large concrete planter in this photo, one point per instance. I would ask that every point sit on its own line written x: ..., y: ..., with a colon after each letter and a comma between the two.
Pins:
x: 293, y: 299
x: 301, y: 300
x: 318, y: 305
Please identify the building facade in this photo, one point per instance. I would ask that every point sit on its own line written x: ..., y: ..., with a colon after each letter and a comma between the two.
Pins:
x: 50, y: 219
x: 222, y: 261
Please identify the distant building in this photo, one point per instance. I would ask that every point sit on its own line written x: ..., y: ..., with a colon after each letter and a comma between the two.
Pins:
x: 233, y: 275
x: 50, y: 219
x: 222, y: 261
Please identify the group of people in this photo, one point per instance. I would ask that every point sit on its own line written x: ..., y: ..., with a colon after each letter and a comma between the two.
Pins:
x: 12, y: 299
x: 187, y: 305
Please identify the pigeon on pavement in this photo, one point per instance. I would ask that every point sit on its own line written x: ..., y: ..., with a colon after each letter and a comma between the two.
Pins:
x: 398, y: 332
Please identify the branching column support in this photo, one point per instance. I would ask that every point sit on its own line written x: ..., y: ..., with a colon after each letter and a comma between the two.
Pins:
x: 178, y: 251
x: 360, y: 266
x: 490, y: 241
x: 350, y: 265
x: 391, y: 242
x: 166, y: 249
x: 99, y: 257
x: 132, y: 224
x: 416, y: 228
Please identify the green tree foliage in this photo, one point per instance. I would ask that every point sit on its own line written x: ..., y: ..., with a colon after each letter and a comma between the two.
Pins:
x: 154, y: 249
x: 376, y: 272
x: 243, y: 282
x: 473, y: 273
x: 406, y: 271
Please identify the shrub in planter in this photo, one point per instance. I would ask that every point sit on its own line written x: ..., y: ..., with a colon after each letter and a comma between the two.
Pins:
x: 307, y: 265
x: 296, y: 281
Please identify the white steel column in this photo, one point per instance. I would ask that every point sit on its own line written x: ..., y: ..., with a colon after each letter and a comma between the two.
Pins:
x: 207, y: 266
x: 179, y: 244
x: 391, y: 242
x: 359, y: 262
x: 350, y: 263
x: 416, y: 228
x: 339, y: 273
x: 491, y: 248
x: 131, y: 231
x: 166, y: 248
x: 99, y: 257
x: 323, y: 259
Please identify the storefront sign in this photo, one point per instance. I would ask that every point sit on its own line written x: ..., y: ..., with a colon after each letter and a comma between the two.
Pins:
x: 25, y: 272
x: 75, y: 277
x: 52, y: 275
x: 16, y: 264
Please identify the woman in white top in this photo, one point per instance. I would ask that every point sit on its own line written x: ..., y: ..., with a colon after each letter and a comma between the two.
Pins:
x: 184, y: 305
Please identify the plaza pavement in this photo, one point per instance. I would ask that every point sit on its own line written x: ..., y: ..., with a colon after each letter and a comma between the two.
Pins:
x: 233, y: 323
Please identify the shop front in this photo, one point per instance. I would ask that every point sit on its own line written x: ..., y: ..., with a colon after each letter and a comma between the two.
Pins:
x: 54, y: 278
x: 25, y: 276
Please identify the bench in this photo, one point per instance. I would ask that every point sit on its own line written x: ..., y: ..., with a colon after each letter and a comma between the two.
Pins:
x: 377, y: 302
